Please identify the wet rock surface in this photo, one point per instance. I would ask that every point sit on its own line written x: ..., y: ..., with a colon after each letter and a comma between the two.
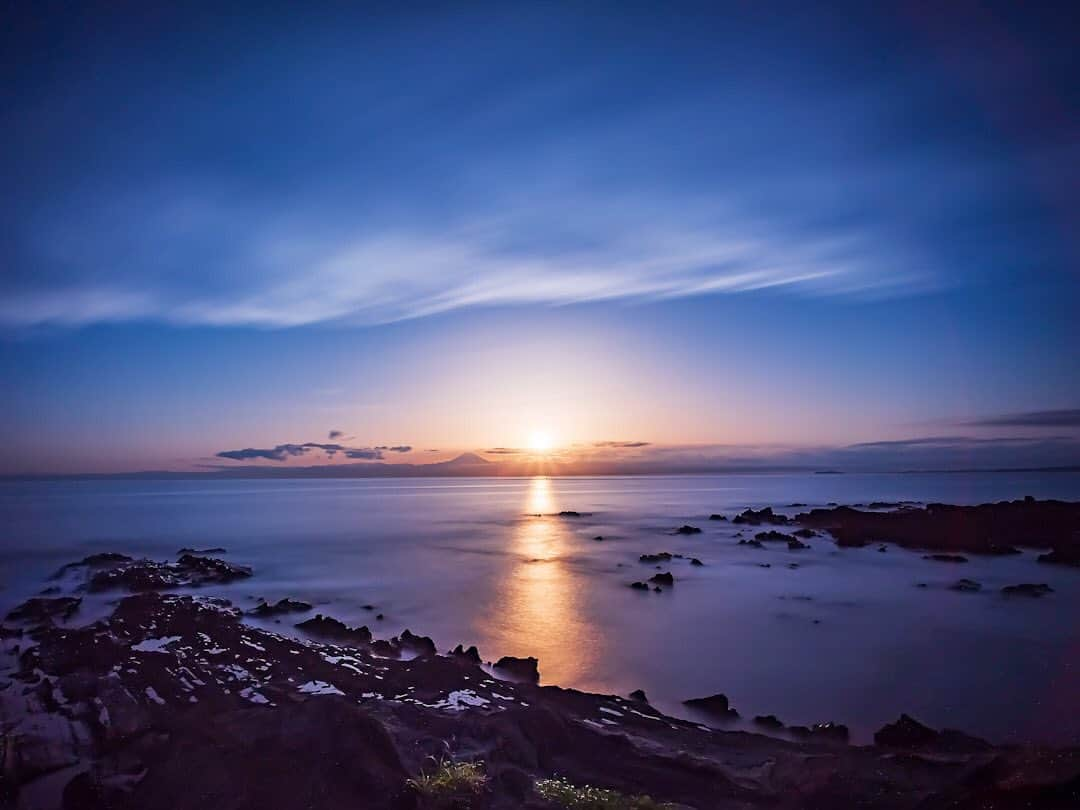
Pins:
x: 172, y: 701
x: 190, y: 570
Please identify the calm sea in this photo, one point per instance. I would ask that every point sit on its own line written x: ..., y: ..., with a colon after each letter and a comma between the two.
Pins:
x: 846, y: 636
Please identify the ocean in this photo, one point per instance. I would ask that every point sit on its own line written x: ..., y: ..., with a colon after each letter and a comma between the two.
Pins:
x: 846, y: 636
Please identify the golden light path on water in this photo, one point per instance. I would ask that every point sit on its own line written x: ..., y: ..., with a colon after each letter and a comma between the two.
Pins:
x: 537, y: 609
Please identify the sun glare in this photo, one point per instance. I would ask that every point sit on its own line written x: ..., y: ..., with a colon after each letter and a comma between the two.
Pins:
x: 540, y: 441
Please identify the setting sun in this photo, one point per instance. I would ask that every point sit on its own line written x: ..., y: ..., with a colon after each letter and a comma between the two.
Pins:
x: 540, y: 441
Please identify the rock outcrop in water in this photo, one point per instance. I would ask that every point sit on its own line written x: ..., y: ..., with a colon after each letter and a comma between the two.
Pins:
x: 172, y: 702
x: 992, y: 528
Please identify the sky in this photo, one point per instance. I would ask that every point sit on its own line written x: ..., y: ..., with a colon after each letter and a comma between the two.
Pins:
x: 730, y: 233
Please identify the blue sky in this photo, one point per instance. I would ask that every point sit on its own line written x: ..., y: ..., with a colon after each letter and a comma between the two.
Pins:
x: 716, y: 225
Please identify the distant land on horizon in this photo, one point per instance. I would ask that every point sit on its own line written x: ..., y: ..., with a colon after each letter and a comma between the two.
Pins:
x: 473, y: 465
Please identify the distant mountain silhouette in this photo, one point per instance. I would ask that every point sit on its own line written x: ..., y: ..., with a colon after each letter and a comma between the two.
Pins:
x: 464, y: 460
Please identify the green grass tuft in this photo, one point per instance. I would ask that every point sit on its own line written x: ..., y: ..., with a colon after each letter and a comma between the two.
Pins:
x: 586, y: 797
x: 451, y: 779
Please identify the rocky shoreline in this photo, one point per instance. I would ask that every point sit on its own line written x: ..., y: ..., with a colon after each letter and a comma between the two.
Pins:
x: 173, y: 701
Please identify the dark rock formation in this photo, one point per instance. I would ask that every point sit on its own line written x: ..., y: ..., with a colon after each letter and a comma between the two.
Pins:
x: 280, y: 607
x: 993, y: 528
x: 471, y: 654
x: 598, y: 538
x: 522, y: 669
x: 768, y: 721
x: 417, y: 645
x: 688, y: 529
x: 569, y: 513
x: 909, y: 733
x: 831, y: 732
x: 751, y: 543
x: 696, y: 561
x: 330, y: 628
x: 946, y: 558
x: 716, y: 706
x: 796, y: 545
x: 1027, y: 589
x: 772, y: 536
x: 663, y: 556
x: 639, y: 695
x: 146, y: 575
x: 715, y: 516
x: 805, y: 533
x: 214, y: 550
x: 639, y: 586
x: 663, y: 578
x: 39, y: 609
x: 766, y: 516
x: 967, y: 585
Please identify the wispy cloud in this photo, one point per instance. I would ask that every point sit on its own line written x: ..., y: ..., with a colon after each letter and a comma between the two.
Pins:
x: 283, y: 452
x: 1068, y: 417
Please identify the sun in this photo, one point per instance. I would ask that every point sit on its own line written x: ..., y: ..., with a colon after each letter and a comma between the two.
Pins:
x: 540, y: 441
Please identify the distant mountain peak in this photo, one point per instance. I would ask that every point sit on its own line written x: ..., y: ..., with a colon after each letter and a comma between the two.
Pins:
x: 467, y: 459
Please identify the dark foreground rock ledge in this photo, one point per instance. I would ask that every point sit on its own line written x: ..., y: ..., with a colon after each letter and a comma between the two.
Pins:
x: 172, y: 702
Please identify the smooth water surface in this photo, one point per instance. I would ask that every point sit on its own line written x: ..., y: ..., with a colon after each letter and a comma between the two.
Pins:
x: 846, y: 636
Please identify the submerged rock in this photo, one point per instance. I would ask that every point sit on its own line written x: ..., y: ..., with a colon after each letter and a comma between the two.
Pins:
x: 663, y: 556
x: 696, y: 561
x: 663, y: 578
x: 946, y: 558
x: 715, y: 516
x: 967, y: 585
x: 687, y: 529
x: 639, y: 586
x: 1027, y: 589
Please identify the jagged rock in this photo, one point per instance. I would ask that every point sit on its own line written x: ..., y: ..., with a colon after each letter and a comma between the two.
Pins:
x: 772, y: 535
x: 280, y: 607
x: 639, y: 586
x: 751, y: 543
x: 805, y: 533
x: 909, y: 733
x: 756, y: 518
x: 715, y: 516
x: 639, y: 695
x: 715, y: 706
x: 687, y: 529
x: 525, y: 669
x: 663, y: 578
x: 796, y: 545
x: 420, y: 645
x: 472, y: 654
x: 696, y: 561
x: 768, y: 721
x: 330, y: 628
x: 1027, y: 589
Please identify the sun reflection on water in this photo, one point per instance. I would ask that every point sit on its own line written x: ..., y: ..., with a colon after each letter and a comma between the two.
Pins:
x: 538, y: 607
